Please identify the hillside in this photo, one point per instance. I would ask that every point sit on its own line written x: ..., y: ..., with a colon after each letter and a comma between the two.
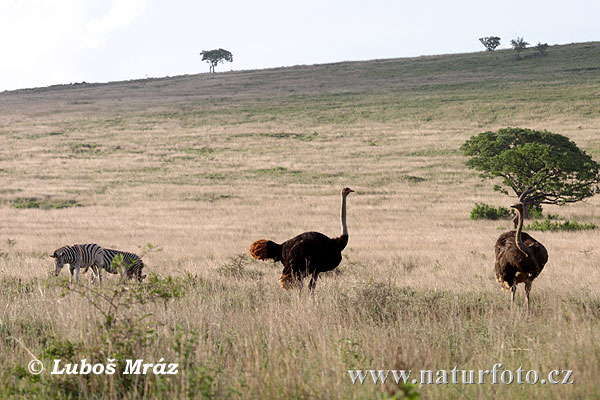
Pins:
x: 200, y: 166
x: 575, y: 64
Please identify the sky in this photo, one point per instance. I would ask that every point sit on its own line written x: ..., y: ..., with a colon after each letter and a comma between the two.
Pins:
x: 48, y: 42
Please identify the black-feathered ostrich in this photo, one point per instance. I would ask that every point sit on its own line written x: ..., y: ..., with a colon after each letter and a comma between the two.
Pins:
x: 307, y: 254
x: 519, y: 257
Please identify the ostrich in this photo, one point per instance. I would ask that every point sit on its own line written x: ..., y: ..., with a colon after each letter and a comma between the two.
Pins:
x: 309, y: 253
x: 519, y: 257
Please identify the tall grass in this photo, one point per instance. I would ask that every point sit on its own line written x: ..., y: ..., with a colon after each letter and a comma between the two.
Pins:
x: 203, y: 165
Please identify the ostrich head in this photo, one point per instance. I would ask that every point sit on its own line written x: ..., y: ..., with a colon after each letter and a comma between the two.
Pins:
x: 518, y: 206
x: 346, y: 191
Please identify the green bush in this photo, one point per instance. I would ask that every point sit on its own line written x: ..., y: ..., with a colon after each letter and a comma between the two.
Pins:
x: 550, y: 224
x: 485, y: 211
x: 535, y: 212
x: 44, y: 204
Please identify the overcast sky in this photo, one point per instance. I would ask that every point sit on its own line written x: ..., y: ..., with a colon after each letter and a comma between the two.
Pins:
x: 46, y: 42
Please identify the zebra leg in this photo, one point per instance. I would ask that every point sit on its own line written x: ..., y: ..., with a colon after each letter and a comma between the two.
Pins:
x: 138, y: 274
x: 77, y: 269
x: 93, y: 275
x: 96, y: 274
x: 71, y: 271
x: 99, y: 266
x: 139, y: 270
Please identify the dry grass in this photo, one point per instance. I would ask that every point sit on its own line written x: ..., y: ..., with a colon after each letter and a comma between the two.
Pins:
x: 201, y: 166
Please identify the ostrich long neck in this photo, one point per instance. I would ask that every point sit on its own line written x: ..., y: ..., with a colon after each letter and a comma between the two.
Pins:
x: 519, y: 241
x: 344, y: 226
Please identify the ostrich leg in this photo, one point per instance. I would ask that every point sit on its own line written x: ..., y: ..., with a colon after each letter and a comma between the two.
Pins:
x: 527, y: 290
x: 513, y: 290
x: 313, y: 282
x: 300, y: 285
x: 302, y: 274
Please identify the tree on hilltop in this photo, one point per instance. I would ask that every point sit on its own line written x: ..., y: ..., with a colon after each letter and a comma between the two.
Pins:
x: 490, y: 42
x: 542, y: 49
x: 518, y: 45
x: 214, y: 57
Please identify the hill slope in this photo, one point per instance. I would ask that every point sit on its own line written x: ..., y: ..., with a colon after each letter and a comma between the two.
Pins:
x: 564, y: 64
x: 487, y: 87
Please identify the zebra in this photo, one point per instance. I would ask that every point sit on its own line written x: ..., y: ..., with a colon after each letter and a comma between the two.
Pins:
x: 78, y: 256
x: 132, y: 262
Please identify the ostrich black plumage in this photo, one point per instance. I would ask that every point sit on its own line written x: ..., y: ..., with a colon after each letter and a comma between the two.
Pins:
x: 307, y: 254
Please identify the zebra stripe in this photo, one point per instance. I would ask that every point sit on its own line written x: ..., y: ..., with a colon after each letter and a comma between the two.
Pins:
x: 78, y: 256
x: 132, y: 262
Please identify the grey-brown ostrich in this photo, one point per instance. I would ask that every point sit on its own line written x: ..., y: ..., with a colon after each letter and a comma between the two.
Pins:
x: 307, y: 254
x: 519, y: 257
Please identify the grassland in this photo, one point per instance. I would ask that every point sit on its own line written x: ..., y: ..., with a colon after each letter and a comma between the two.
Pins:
x: 200, y: 166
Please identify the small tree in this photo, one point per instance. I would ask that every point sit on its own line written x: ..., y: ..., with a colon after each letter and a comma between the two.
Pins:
x: 518, y: 45
x: 490, y: 42
x: 555, y: 169
x: 214, y: 57
x: 542, y: 49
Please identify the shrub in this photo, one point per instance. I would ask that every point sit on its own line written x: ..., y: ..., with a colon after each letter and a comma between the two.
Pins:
x: 550, y: 224
x: 485, y: 211
x: 542, y: 49
x: 236, y: 267
x: 45, y: 204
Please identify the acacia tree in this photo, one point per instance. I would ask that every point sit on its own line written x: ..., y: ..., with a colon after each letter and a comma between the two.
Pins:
x: 518, y: 45
x: 551, y: 165
x: 490, y: 42
x: 214, y: 57
x: 542, y: 49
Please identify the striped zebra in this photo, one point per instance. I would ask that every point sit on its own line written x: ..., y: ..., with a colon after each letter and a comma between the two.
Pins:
x: 132, y: 263
x: 78, y: 256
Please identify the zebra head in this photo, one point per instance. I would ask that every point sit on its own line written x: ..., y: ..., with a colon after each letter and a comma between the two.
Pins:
x: 59, y: 260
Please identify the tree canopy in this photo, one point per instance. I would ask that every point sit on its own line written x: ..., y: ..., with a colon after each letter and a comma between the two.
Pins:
x: 519, y: 44
x: 214, y: 57
x: 542, y: 48
x: 556, y: 170
x: 490, y: 42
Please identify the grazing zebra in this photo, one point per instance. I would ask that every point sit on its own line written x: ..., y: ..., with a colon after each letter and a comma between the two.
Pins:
x: 131, y: 262
x: 78, y: 256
